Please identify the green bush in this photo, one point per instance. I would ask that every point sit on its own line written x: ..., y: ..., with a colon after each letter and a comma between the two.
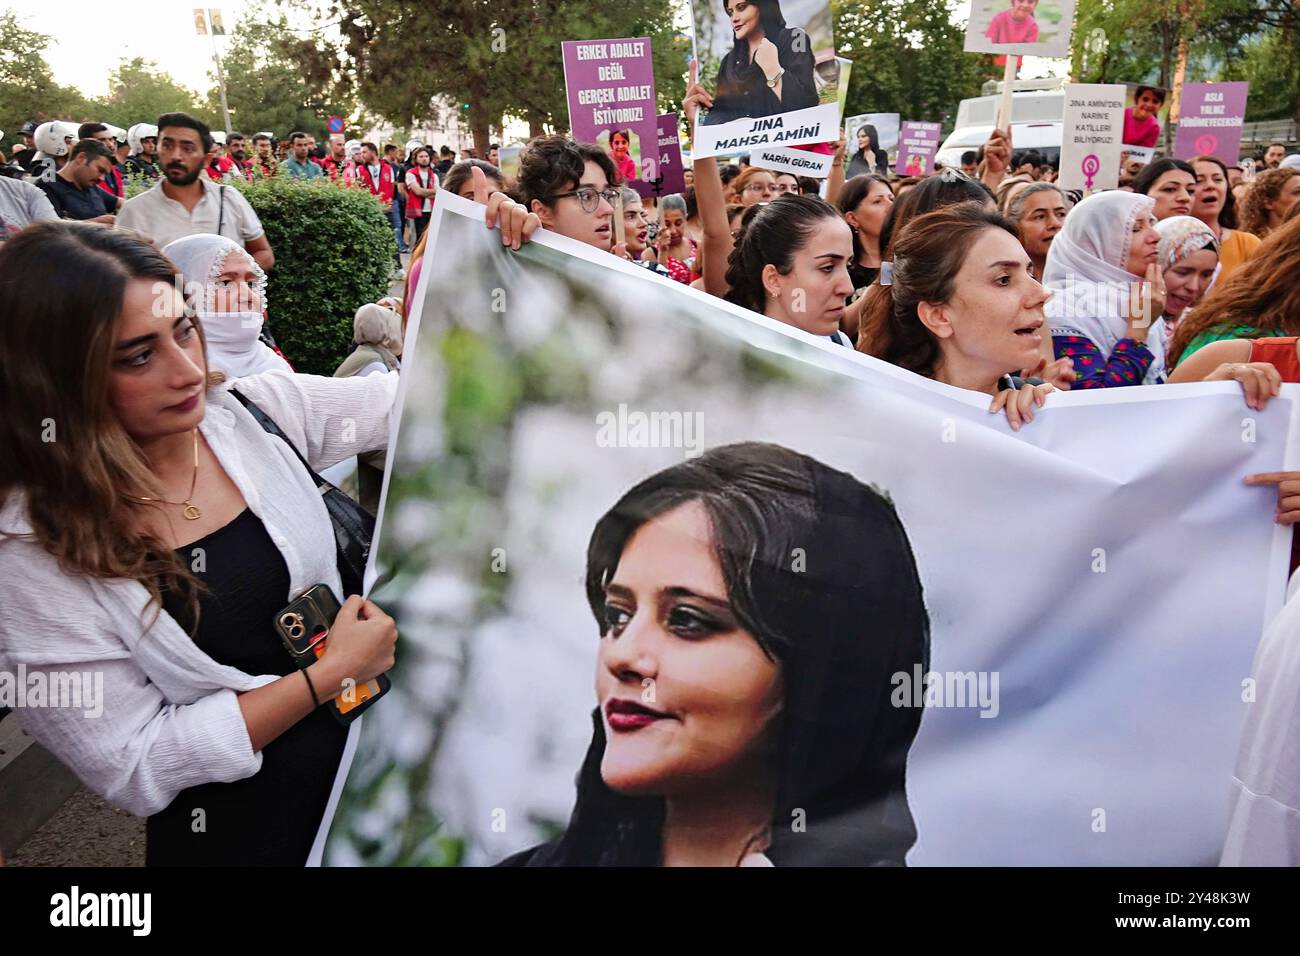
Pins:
x: 333, y: 252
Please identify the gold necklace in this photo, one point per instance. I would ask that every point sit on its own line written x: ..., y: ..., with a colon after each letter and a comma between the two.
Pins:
x: 191, y: 512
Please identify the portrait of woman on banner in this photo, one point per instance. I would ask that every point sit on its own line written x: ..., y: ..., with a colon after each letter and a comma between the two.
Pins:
x: 770, y: 68
x: 755, y: 608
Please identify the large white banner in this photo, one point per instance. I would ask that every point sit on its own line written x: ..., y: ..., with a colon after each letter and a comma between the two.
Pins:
x: 1095, y: 583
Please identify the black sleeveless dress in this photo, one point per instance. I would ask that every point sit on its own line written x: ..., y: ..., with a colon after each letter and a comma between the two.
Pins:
x: 270, y: 818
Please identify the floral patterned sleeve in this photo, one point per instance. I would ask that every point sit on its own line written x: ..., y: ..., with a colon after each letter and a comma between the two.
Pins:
x: 1127, y: 365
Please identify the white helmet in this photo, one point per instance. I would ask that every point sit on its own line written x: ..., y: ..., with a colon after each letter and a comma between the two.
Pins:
x: 119, y: 134
x: 219, y: 136
x: 351, y: 148
x: 138, y: 132
x: 56, y: 137
x: 413, y: 145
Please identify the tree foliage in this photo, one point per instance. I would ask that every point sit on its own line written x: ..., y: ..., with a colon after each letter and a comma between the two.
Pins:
x: 333, y: 251
x: 907, y: 58
x: 138, y: 92
x: 278, y: 81
x: 1137, y: 41
x: 28, y: 90
x: 494, y: 58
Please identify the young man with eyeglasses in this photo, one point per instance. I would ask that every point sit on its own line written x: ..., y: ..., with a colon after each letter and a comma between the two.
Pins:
x: 572, y: 189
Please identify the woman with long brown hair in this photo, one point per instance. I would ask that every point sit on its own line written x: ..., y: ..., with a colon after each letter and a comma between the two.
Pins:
x: 150, y: 532
x: 959, y: 305
x: 1260, y: 300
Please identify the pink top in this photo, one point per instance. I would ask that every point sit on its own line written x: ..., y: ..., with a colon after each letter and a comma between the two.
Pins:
x: 1005, y: 29
x: 1138, y: 132
x: 626, y: 168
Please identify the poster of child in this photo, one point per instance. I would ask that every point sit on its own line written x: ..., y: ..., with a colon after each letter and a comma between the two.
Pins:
x: 1023, y: 27
x: 1146, y: 109
x: 624, y: 148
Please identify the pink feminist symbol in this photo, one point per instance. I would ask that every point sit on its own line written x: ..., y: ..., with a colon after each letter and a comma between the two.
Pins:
x: 1206, y: 144
x: 1091, y: 165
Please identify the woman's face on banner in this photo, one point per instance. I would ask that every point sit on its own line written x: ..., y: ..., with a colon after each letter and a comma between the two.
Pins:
x: 617, y: 145
x: 687, y: 695
x: 864, y: 142
x: 811, y: 296
x: 1187, y: 279
x: 744, y: 19
x: 995, y: 316
x: 1173, y: 194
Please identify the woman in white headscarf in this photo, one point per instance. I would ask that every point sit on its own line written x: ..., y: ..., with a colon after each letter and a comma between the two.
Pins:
x: 227, y: 290
x: 1188, y: 257
x: 1102, y: 315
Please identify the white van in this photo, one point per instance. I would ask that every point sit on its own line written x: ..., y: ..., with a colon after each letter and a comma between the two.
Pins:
x: 1036, y: 123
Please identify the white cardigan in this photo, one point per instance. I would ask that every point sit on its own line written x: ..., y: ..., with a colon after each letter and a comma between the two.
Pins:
x: 171, y: 718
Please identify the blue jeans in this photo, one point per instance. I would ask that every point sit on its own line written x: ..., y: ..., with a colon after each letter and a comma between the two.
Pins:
x: 396, y: 217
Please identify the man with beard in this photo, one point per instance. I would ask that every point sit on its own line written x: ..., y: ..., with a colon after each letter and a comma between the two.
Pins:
x: 187, y: 203
x: 235, y: 153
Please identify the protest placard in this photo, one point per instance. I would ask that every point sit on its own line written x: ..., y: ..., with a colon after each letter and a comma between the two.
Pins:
x: 1209, y: 121
x: 611, y: 91
x: 1020, y: 27
x: 772, y: 72
x: 918, y: 142
x: 1091, y: 130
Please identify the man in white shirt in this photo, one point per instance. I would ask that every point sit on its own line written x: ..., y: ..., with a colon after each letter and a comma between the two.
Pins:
x: 185, y: 202
x: 21, y: 204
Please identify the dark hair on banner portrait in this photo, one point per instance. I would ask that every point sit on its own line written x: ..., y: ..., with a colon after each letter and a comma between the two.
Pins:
x: 836, y: 628
x: 744, y: 87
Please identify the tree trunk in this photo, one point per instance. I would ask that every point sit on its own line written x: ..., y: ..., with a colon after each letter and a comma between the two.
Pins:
x: 1189, y: 17
x: 536, y: 127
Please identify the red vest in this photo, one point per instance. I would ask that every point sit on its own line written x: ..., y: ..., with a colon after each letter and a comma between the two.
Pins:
x: 414, y: 203
x: 384, y: 189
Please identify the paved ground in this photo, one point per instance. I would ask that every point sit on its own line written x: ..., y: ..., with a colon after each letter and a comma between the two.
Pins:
x: 85, y: 831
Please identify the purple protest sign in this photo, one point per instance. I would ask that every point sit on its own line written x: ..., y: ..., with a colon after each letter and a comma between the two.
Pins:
x: 670, y: 176
x: 917, y: 144
x: 1210, y: 121
x: 611, y: 90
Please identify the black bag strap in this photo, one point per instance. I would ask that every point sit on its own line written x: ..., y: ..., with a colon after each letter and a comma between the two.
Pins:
x: 268, y: 425
x: 221, y: 220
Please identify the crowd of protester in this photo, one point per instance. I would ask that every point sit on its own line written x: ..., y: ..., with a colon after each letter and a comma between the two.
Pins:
x: 987, y: 277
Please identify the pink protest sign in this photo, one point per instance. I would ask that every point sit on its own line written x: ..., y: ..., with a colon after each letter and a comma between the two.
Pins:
x: 670, y: 176
x: 611, y: 90
x: 917, y: 144
x: 1210, y: 121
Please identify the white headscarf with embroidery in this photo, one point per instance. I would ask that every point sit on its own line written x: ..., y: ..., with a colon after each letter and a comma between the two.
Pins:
x: 233, y: 344
x: 1088, y: 275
